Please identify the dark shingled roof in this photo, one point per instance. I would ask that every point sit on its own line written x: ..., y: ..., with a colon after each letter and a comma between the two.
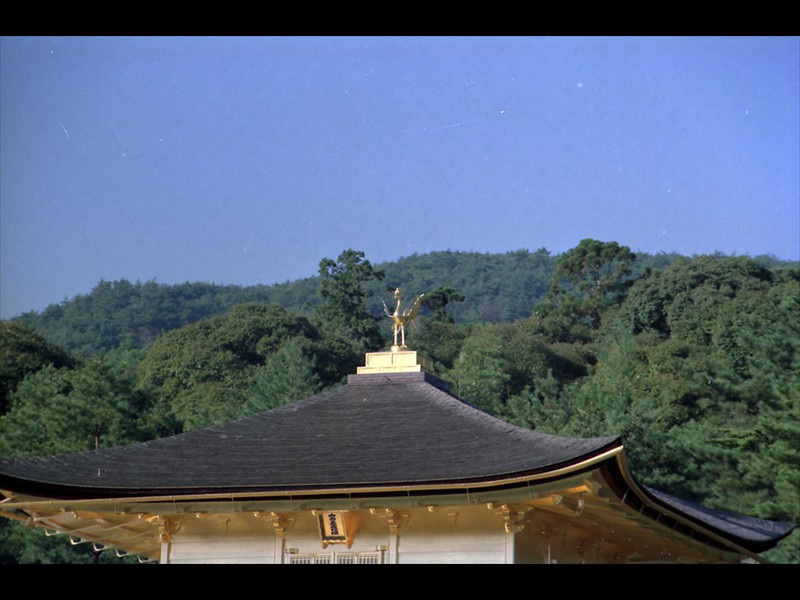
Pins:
x: 756, y: 534
x: 387, y: 429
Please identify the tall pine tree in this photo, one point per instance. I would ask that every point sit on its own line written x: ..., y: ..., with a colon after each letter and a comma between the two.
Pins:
x: 288, y: 375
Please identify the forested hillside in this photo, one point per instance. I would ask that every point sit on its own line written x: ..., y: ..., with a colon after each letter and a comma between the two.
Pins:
x: 496, y: 288
x: 693, y: 360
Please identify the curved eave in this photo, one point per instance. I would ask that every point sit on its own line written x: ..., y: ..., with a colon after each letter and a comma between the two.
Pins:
x: 745, y: 535
x: 56, y: 493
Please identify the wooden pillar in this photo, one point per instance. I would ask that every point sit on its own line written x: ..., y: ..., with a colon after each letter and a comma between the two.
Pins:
x: 166, y: 528
x: 393, y: 518
x: 279, y: 526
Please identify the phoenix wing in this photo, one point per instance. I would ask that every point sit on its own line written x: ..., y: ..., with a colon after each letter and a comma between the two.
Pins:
x: 411, y: 313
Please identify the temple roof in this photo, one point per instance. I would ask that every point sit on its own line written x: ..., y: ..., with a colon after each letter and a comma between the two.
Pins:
x: 381, y: 433
x: 395, y: 429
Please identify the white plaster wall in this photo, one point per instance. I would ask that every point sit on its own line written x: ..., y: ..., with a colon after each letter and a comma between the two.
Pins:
x: 472, y: 535
x: 216, y: 541
x: 453, y: 536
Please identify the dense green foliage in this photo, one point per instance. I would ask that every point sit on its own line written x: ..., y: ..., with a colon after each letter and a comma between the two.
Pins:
x: 23, y: 352
x: 437, y: 302
x: 343, y: 313
x: 496, y: 288
x: 693, y: 361
x: 289, y: 374
x: 201, y: 374
x: 595, y: 273
x: 91, y: 405
x: 133, y: 315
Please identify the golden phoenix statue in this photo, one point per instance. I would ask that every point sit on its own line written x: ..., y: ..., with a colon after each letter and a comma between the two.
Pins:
x: 402, y: 318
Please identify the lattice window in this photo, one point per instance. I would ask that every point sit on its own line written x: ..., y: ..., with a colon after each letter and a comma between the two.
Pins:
x: 358, y: 558
x: 339, y: 558
x: 310, y: 559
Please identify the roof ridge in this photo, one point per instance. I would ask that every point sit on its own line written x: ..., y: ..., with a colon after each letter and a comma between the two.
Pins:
x: 400, y: 377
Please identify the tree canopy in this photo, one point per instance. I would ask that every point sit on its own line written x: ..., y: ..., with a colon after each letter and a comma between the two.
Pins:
x: 23, y: 352
x: 201, y: 373
x: 596, y: 272
x: 343, y: 313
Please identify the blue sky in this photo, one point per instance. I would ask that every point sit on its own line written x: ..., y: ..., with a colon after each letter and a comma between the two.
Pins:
x: 247, y: 160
